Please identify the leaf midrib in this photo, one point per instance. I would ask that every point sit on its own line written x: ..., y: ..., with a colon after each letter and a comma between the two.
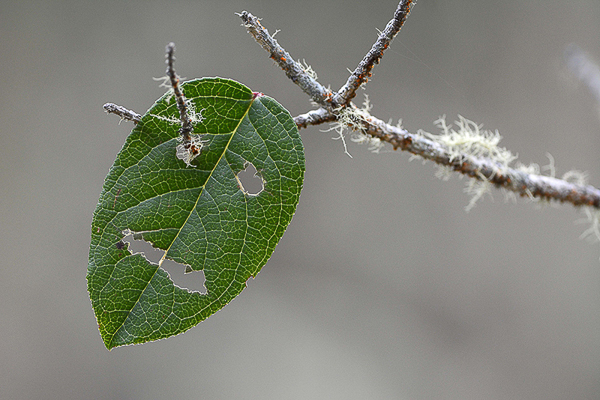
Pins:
x: 182, y: 225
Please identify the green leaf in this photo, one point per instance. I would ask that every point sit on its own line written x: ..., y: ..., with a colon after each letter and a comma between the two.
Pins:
x: 199, y: 214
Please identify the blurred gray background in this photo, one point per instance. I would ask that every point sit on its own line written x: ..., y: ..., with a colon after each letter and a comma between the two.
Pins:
x: 382, y: 287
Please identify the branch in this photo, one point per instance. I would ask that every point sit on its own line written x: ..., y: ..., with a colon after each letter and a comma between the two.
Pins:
x: 488, y: 168
x: 186, y: 121
x: 314, y: 117
x: 122, y: 112
x: 363, y: 71
x: 485, y: 170
x: 293, y: 69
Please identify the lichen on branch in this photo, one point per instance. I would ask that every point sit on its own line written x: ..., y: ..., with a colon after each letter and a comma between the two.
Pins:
x: 467, y: 150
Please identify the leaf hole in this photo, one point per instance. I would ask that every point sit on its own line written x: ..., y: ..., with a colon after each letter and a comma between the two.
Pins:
x: 182, y: 275
x: 250, y: 181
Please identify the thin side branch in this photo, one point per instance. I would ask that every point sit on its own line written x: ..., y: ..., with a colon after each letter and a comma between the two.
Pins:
x: 293, y: 69
x: 363, y: 71
x: 122, y: 112
x: 336, y: 107
x: 186, y: 121
x: 314, y: 117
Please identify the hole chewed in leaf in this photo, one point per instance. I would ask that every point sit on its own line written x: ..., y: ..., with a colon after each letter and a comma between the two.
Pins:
x: 179, y: 273
x: 214, y: 217
x: 250, y: 181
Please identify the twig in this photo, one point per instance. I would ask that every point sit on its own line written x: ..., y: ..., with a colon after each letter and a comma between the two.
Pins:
x: 293, y: 69
x: 314, y: 117
x: 186, y: 121
x: 485, y: 170
x: 363, y: 71
x: 479, y: 168
x: 122, y: 112
x: 191, y: 145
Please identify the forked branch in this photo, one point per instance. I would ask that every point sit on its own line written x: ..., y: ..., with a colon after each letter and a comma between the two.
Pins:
x: 336, y: 107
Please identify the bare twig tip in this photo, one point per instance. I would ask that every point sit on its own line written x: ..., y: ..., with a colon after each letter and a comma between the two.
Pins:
x: 122, y: 112
x: 186, y: 122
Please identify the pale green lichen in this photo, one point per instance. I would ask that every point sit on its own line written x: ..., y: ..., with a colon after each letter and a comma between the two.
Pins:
x: 308, y: 70
x: 353, y: 118
x: 467, y: 139
x: 188, y: 150
x: 194, y: 115
x: 593, y: 219
x: 576, y: 177
x: 171, y: 120
x: 165, y: 82
x: 592, y: 215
